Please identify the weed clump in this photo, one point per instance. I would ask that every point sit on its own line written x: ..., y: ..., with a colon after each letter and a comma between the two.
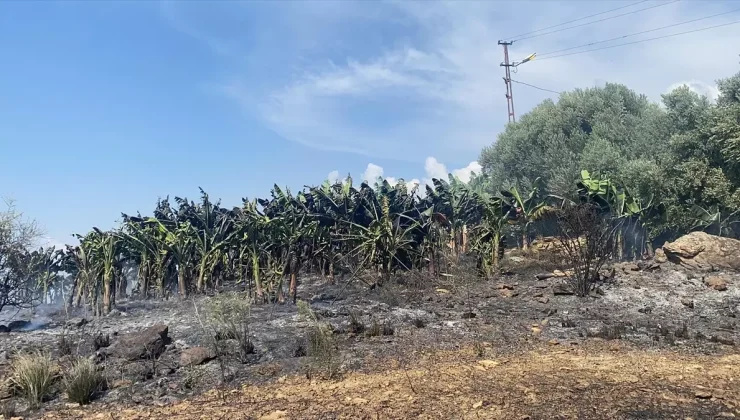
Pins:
x: 83, y: 382
x: 380, y: 329
x: 33, y: 375
x: 322, y: 348
x: 64, y: 345
x: 229, y: 315
x: 356, y: 326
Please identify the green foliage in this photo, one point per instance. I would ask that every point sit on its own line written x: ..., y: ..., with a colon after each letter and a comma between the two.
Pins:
x: 664, y: 160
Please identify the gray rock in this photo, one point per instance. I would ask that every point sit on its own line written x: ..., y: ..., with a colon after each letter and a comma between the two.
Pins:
x: 18, y: 325
x: 561, y: 289
x: 196, y: 355
x: 76, y: 322
x: 149, y: 343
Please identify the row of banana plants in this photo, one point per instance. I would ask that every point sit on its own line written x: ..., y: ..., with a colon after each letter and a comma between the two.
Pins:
x: 264, y: 245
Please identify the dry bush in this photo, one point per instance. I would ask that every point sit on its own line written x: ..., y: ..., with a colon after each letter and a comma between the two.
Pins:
x: 64, y: 344
x: 229, y: 315
x: 83, y: 382
x: 193, y: 377
x: 587, y: 240
x: 101, y: 340
x: 322, y: 348
x: 356, y: 326
x: 33, y: 374
x: 377, y: 329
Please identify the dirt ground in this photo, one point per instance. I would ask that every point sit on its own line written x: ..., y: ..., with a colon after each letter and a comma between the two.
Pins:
x: 598, y: 380
x: 654, y: 341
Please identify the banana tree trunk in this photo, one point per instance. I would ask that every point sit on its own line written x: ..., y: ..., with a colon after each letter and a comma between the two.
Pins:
x: 293, y: 285
x: 181, y: 286
x: 71, y: 297
x: 496, y: 248
x: 525, y: 239
x: 79, y: 294
x: 256, y: 275
x: 464, y: 239
x: 106, y: 292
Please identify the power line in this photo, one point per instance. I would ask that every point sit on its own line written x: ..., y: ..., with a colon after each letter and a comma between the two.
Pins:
x: 636, y: 33
x: 536, y: 87
x: 599, y: 20
x: 643, y: 40
x: 579, y: 19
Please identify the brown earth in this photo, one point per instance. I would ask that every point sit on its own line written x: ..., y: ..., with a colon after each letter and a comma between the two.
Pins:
x: 598, y: 380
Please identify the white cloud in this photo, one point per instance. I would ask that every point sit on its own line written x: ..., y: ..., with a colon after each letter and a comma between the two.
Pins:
x: 434, y: 168
x: 372, y: 172
x: 48, y: 242
x: 709, y: 90
x: 464, y: 174
x: 333, y: 177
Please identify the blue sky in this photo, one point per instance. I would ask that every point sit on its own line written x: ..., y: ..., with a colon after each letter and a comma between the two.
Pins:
x: 105, y: 106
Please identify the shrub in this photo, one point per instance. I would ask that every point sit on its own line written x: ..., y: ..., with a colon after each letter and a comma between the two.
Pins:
x: 64, y: 345
x: 83, y: 382
x: 230, y: 315
x: 356, y: 326
x: 587, y: 240
x: 322, y: 348
x: 34, y: 374
x: 378, y: 329
x: 101, y: 340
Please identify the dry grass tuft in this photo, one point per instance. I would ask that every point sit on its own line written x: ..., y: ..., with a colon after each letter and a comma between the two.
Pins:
x: 322, y: 348
x: 33, y: 375
x: 83, y: 382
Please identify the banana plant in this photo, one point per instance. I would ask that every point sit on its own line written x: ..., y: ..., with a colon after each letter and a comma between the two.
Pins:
x: 526, y: 210
x: 487, y: 232
x: 715, y: 220
x: 177, y: 240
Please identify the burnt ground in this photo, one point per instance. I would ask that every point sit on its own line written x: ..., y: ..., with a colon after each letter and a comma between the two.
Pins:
x: 650, y: 343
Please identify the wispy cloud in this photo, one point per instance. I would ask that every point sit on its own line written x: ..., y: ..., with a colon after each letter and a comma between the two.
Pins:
x: 433, y: 85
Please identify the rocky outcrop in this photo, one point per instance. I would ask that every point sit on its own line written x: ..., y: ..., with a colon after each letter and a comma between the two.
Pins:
x: 146, y: 344
x: 702, y: 251
x: 196, y: 355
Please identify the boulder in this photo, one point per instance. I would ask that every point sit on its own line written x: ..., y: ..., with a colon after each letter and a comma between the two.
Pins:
x: 4, y: 329
x: 562, y: 289
x: 702, y: 251
x: 76, y: 322
x: 146, y: 344
x: 194, y: 356
x: 716, y: 282
x: 660, y: 257
x: 18, y: 325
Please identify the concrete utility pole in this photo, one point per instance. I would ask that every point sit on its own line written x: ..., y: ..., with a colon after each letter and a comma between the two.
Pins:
x: 507, y: 80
